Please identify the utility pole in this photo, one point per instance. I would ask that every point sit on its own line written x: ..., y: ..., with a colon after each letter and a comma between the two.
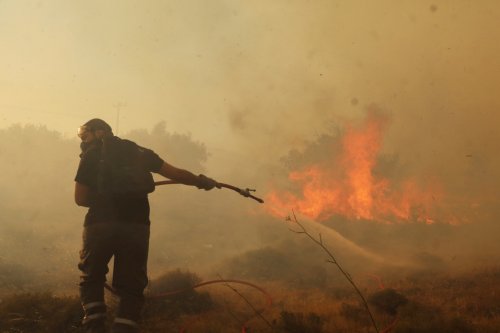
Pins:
x: 118, y: 107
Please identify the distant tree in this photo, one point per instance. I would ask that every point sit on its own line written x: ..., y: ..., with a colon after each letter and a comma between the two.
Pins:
x: 37, y: 166
x: 178, y: 149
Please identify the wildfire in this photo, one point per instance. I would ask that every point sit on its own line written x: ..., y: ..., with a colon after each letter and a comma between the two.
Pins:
x: 346, y: 185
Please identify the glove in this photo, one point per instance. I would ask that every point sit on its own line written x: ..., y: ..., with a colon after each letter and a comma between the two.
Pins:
x: 206, y: 183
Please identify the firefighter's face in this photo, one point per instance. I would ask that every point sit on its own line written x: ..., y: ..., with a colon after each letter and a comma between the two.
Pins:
x: 86, y: 134
x: 89, y: 135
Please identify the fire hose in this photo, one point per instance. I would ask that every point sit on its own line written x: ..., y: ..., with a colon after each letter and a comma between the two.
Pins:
x: 269, y: 300
x: 243, y: 192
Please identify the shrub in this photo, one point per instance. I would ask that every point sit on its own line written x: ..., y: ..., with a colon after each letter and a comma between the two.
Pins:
x: 297, y: 322
x: 387, y: 300
x: 264, y: 264
x: 286, y: 263
x: 356, y: 313
x: 186, y: 301
x: 417, y: 318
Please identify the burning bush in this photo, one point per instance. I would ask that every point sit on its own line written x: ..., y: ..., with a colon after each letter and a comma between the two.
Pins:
x: 350, y: 181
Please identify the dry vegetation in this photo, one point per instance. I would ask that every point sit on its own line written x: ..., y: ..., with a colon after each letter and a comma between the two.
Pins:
x: 469, y: 302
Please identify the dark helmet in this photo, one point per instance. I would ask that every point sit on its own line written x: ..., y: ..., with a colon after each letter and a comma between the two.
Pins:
x: 94, y: 125
x: 97, y: 124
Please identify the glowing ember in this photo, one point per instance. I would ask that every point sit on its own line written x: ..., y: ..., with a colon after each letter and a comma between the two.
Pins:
x: 346, y: 186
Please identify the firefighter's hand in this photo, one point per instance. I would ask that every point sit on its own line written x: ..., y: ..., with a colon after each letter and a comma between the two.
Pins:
x: 206, y: 183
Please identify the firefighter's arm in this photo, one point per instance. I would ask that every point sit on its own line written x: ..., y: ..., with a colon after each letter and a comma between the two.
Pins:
x: 82, y: 195
x: 186, y: 177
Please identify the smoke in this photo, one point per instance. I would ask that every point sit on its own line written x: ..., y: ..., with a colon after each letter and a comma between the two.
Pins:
x: 429, y: 67
x: 249, y: 91
x: 261, y: 78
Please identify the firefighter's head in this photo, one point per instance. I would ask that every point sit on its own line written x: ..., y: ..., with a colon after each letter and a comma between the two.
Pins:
x: 94, y: 129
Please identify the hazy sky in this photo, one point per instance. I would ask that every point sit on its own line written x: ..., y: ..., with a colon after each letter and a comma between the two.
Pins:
x: 257, y: 76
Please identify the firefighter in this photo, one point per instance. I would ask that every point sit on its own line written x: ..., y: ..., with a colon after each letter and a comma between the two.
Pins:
x: 113, y: 180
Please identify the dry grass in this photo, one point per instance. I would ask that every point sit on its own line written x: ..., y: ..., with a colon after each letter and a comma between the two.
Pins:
x: 464, y: 303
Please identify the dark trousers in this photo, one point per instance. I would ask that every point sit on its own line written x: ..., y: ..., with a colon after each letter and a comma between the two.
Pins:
x: 129, y: 244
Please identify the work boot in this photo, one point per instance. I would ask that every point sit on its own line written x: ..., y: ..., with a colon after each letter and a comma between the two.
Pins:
x: 95, y: 317
x: 95, y: 326
x: 123, y: 325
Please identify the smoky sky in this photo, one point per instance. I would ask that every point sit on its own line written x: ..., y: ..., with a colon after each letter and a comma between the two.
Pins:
x: 254, y: 80
x: 239, y: 75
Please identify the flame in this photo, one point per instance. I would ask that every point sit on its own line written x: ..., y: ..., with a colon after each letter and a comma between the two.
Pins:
x: 346, y: 186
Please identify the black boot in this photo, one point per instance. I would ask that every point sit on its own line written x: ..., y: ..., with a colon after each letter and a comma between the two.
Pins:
x: 95, y: 326
x: 123, y: 325
x: 95, y: 317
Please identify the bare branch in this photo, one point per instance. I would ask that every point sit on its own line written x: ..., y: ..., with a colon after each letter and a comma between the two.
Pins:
x: 257, y: 312
x: 334, y: 261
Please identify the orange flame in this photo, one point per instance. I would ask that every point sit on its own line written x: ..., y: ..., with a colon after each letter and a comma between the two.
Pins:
x: 350, y: 189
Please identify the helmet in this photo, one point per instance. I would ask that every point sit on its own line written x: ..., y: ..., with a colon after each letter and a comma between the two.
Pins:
x: 94, y: 125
